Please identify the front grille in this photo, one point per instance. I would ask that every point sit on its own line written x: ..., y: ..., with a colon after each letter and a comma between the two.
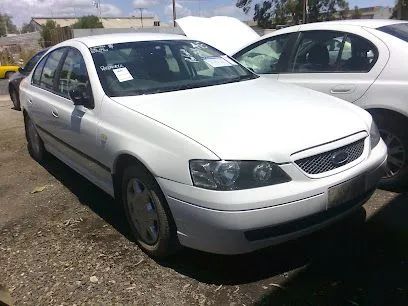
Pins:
x: 323, y: 162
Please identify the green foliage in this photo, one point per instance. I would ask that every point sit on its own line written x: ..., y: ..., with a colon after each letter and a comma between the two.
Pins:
x: 88, y: 22
x: 273, y: 12
x: 263, y: 14
x: 356, y: 13
x: 400, y: 10
x: 5, y: 21
x: 47, y: 32
x: 27, y: 28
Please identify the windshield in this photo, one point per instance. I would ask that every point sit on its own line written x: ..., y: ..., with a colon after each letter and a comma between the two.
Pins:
x: 149, y: 67
x: 399, y: 30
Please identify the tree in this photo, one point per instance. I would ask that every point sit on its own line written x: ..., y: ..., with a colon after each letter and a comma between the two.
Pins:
x: 88, y: 22
x: 356, y: 13
x: 295, y: 9
x: 27, y: 28
x: 272, y: 11
x: 344, y: 13
x: 6, y: 25
x: 263, y: 14
x: 47, y: 32
x: 400, y: 10
x: 329, y: 8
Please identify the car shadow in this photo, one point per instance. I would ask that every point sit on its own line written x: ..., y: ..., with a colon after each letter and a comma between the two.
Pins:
x: 265, y: 263
x: 323, y: 246
x: 89, y: 194
x: 354, y: 262
x: 371, y: 268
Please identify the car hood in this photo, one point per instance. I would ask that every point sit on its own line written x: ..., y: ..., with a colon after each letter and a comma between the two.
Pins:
x: 253, y: 120
x: 227, y: 34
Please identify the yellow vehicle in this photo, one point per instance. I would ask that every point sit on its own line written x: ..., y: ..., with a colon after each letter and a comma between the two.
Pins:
x: 7, y: 71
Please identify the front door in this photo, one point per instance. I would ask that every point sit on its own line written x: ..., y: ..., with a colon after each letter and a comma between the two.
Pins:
x: 76, y: 125
x: 269, y: 56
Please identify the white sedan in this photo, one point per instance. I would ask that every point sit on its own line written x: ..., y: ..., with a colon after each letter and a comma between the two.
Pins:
x: 199, y: 150
x: 360, y: 61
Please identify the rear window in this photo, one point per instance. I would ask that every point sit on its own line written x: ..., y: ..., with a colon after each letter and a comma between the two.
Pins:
x: 399, y: 30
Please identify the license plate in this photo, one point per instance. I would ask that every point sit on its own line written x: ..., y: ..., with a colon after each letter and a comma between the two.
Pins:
x: 346, y: 191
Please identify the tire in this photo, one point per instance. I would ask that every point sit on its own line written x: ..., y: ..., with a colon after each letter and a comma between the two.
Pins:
x: 35, y: 145
x: 8, y: 74
x: 15, y: 98
x: 147, y: 212
x: 393, y: 132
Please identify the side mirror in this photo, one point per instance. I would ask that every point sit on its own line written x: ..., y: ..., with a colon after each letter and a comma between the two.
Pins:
x: 79, y: 95
x: 21, y: 70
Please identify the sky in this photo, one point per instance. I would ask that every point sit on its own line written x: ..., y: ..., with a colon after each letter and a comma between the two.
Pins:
x: 23, y: 10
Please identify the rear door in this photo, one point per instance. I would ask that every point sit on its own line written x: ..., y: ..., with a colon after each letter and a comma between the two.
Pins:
x: 343, y: 63
x: 40, y: 95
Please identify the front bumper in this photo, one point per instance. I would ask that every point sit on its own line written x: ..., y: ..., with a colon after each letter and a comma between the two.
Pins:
x: 234, y: 222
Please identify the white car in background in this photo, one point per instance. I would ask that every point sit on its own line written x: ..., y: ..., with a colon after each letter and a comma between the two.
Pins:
x: 360, y: 61
x: 199, y: 150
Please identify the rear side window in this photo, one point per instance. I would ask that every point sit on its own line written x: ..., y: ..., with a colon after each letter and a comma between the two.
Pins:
x: 50, y: 68
x: 31, y: 63
x: 399, y: 30
x: 358, y: 55
x: 38, y: 71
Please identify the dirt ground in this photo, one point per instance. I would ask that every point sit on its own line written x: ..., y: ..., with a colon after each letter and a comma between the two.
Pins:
x: 68, y: 244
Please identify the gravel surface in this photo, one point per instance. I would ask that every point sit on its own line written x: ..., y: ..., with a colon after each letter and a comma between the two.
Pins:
x: 67, y: 244
x: 3, y: 87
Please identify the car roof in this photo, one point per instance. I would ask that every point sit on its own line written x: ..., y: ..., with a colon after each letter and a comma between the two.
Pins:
x: 368, y: 23
x: 98, y: 40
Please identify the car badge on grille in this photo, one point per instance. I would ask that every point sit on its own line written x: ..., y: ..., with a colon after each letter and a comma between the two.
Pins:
x: 339, y: 158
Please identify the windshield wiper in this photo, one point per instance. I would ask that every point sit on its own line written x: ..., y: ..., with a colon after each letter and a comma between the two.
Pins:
x: 239, y: 79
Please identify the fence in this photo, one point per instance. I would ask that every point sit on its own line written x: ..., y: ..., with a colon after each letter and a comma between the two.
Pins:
x: 58, y: 35
x: 99, y: 31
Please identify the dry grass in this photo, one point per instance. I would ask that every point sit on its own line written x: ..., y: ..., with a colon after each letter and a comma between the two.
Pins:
x: 7, y: 58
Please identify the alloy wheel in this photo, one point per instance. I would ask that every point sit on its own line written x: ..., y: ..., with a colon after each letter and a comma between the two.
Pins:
x: 396, y: 153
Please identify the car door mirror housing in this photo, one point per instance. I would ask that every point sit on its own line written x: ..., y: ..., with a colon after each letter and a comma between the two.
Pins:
x: 21, y: 70
x: 79, y: 95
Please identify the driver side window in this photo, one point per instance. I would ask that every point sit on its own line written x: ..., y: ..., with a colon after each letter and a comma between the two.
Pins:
x: 74, y: 75
x: 264, y: 57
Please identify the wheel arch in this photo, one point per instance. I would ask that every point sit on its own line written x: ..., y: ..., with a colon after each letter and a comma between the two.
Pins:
x: 120, y: 163
x: 387, y: 113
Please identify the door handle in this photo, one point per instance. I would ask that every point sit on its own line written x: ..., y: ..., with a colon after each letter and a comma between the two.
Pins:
x: 342, y: 89
x: 30, y: 101
x: 54, y: 113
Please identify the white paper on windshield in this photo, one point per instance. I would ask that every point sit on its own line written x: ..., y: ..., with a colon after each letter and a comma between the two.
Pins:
x: 122, y: 74
x: 217, y: 62
x: 229, y: 60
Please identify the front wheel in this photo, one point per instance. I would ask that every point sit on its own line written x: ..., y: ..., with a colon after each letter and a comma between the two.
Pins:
x: 35, y: 145
x: 147, y: 212
x: 392, y: 131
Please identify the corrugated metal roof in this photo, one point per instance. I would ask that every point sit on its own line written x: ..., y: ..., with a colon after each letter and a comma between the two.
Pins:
x: 108, y: 22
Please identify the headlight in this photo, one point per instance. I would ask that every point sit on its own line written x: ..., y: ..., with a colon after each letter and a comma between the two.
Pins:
x: 374, y: 135
x: 235, y: 175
